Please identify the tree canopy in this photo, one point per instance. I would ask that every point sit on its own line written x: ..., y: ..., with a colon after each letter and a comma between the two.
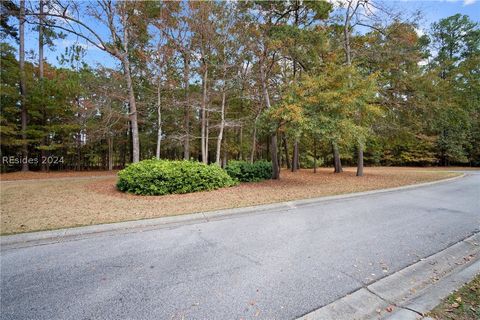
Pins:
x: 299, y: 83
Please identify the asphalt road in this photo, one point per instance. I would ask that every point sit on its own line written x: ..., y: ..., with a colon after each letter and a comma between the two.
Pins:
x: 271, y: 265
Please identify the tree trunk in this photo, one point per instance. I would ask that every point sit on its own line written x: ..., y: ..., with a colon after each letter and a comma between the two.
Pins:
x: 23, y: 90
x: 346, y: 38
x: 133, y: 110
x: 314, y: 155
x: 273, y: 138
x: 186, y: 115
x: 336, y: 159
x: 295, y: 164
x: 241, y: 143
x: 203, y: 112
x: 360, y: 161
x: 110, y: 152
x: 43, y: 153
x: 285, y: 147
x: 79, y: 152
x: 159, y: 113
x: 254, y: 140
x: 207, y: 133
x: 267, y: 155
x: 40, y: 41
x: 124, y: 147
x: 220, y: 131
x: 241, y: 124
x: 224, y: 161
x: 274, y: 155
x: 348, y: 57
x: 125, y: 59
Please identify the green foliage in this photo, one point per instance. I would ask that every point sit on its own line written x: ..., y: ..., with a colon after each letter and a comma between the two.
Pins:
x: 285, y: 117
x: 458, y: 36
x: 160, y: 177
x: 8, y: 8
x: 339, y: 104
x: 9, y: 95
x: 248, y: 172
x: 406, y: 99
x: 308, y: 161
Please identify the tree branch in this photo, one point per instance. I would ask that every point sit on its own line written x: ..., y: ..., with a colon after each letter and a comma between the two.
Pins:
x: 102, y: 46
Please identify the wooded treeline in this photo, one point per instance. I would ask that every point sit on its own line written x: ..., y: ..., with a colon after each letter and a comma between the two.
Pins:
x: 300, y: 83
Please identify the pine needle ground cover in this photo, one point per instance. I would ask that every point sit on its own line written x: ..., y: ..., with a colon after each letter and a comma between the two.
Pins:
x: 60, y: 202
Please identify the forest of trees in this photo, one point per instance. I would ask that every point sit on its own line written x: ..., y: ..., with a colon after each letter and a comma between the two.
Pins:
x: 299, y: 83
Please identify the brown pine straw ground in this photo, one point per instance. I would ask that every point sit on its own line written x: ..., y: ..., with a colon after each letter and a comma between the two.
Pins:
x: 34, y: 175
x: 56, y: 200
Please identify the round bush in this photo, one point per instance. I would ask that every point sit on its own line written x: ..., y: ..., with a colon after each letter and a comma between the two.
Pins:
x: 248, y: 172
x: 159, y: 177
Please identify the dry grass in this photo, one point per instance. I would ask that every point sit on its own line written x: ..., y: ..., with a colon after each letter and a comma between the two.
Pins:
x: 44, y: 204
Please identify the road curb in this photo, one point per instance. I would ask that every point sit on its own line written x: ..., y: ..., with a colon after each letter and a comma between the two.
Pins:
x: 64, y: 234
x: 411, y: 292
x: 422, y: 304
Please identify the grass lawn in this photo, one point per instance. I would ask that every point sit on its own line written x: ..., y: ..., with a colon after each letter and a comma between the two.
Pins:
x: 464, y: 304
x: 60, y: 200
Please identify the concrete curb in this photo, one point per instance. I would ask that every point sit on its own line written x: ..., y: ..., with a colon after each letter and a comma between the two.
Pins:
x: 422, y: 304
x: 412, y: 291
x: 64, y: 234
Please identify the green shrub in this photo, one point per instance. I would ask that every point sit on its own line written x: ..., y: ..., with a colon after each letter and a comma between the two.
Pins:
x: 245, y: 171
x: 307, y: 161
x: 159, y: 177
